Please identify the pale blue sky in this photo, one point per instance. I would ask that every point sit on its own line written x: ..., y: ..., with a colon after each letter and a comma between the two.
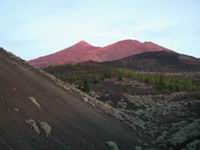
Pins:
x: 31, y: 28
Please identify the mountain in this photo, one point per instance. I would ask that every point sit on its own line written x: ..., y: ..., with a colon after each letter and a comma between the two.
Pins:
x: 83, y: 51
x: 79, y: 52
x: 39, y: 112
x: 189, y: 60
x: 124, y: 49
x: 163, y: 61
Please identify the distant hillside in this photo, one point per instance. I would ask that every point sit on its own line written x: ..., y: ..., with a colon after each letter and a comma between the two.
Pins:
x: 79, y: 52
x: 166, y: 61
x: 83, y: 51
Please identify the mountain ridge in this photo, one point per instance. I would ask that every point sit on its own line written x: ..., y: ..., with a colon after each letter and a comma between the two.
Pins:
x: 83, y: 51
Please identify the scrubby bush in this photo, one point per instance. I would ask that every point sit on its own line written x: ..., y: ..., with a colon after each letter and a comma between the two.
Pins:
x: 85, y: 76
x: 86, y: 86
x: 160, y: 81
x: 107, y: 72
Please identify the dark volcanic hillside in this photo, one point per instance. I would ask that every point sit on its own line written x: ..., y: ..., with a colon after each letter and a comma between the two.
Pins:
x: 165, y: 61
x: 37, y: 114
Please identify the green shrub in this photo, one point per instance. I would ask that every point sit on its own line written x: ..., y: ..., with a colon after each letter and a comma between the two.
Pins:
x: 86, y: 86
x: 107, y: 73
x: 85, y: 76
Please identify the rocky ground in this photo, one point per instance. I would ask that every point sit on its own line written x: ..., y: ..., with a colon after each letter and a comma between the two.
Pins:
x: 171, y: 119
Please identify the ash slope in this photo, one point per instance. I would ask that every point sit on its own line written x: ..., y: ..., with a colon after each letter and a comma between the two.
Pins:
x: 38, y: 114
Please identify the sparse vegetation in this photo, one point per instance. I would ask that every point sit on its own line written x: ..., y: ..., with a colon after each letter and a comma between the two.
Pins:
x: 172, y: 83
x: 86, y: 86
x: 107, y: 72
x: 85, y: 76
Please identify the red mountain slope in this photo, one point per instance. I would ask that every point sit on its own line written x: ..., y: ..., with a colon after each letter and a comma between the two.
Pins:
x: 79, y: 52
x: 83, y: 51
x: 124, y: 49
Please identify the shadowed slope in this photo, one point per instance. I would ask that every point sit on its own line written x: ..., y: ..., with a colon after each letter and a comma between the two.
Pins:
x: 37, y: 114
x: 165, y: 61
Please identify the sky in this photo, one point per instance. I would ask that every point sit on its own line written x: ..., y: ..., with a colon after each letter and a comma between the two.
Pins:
x: 33, y: 28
